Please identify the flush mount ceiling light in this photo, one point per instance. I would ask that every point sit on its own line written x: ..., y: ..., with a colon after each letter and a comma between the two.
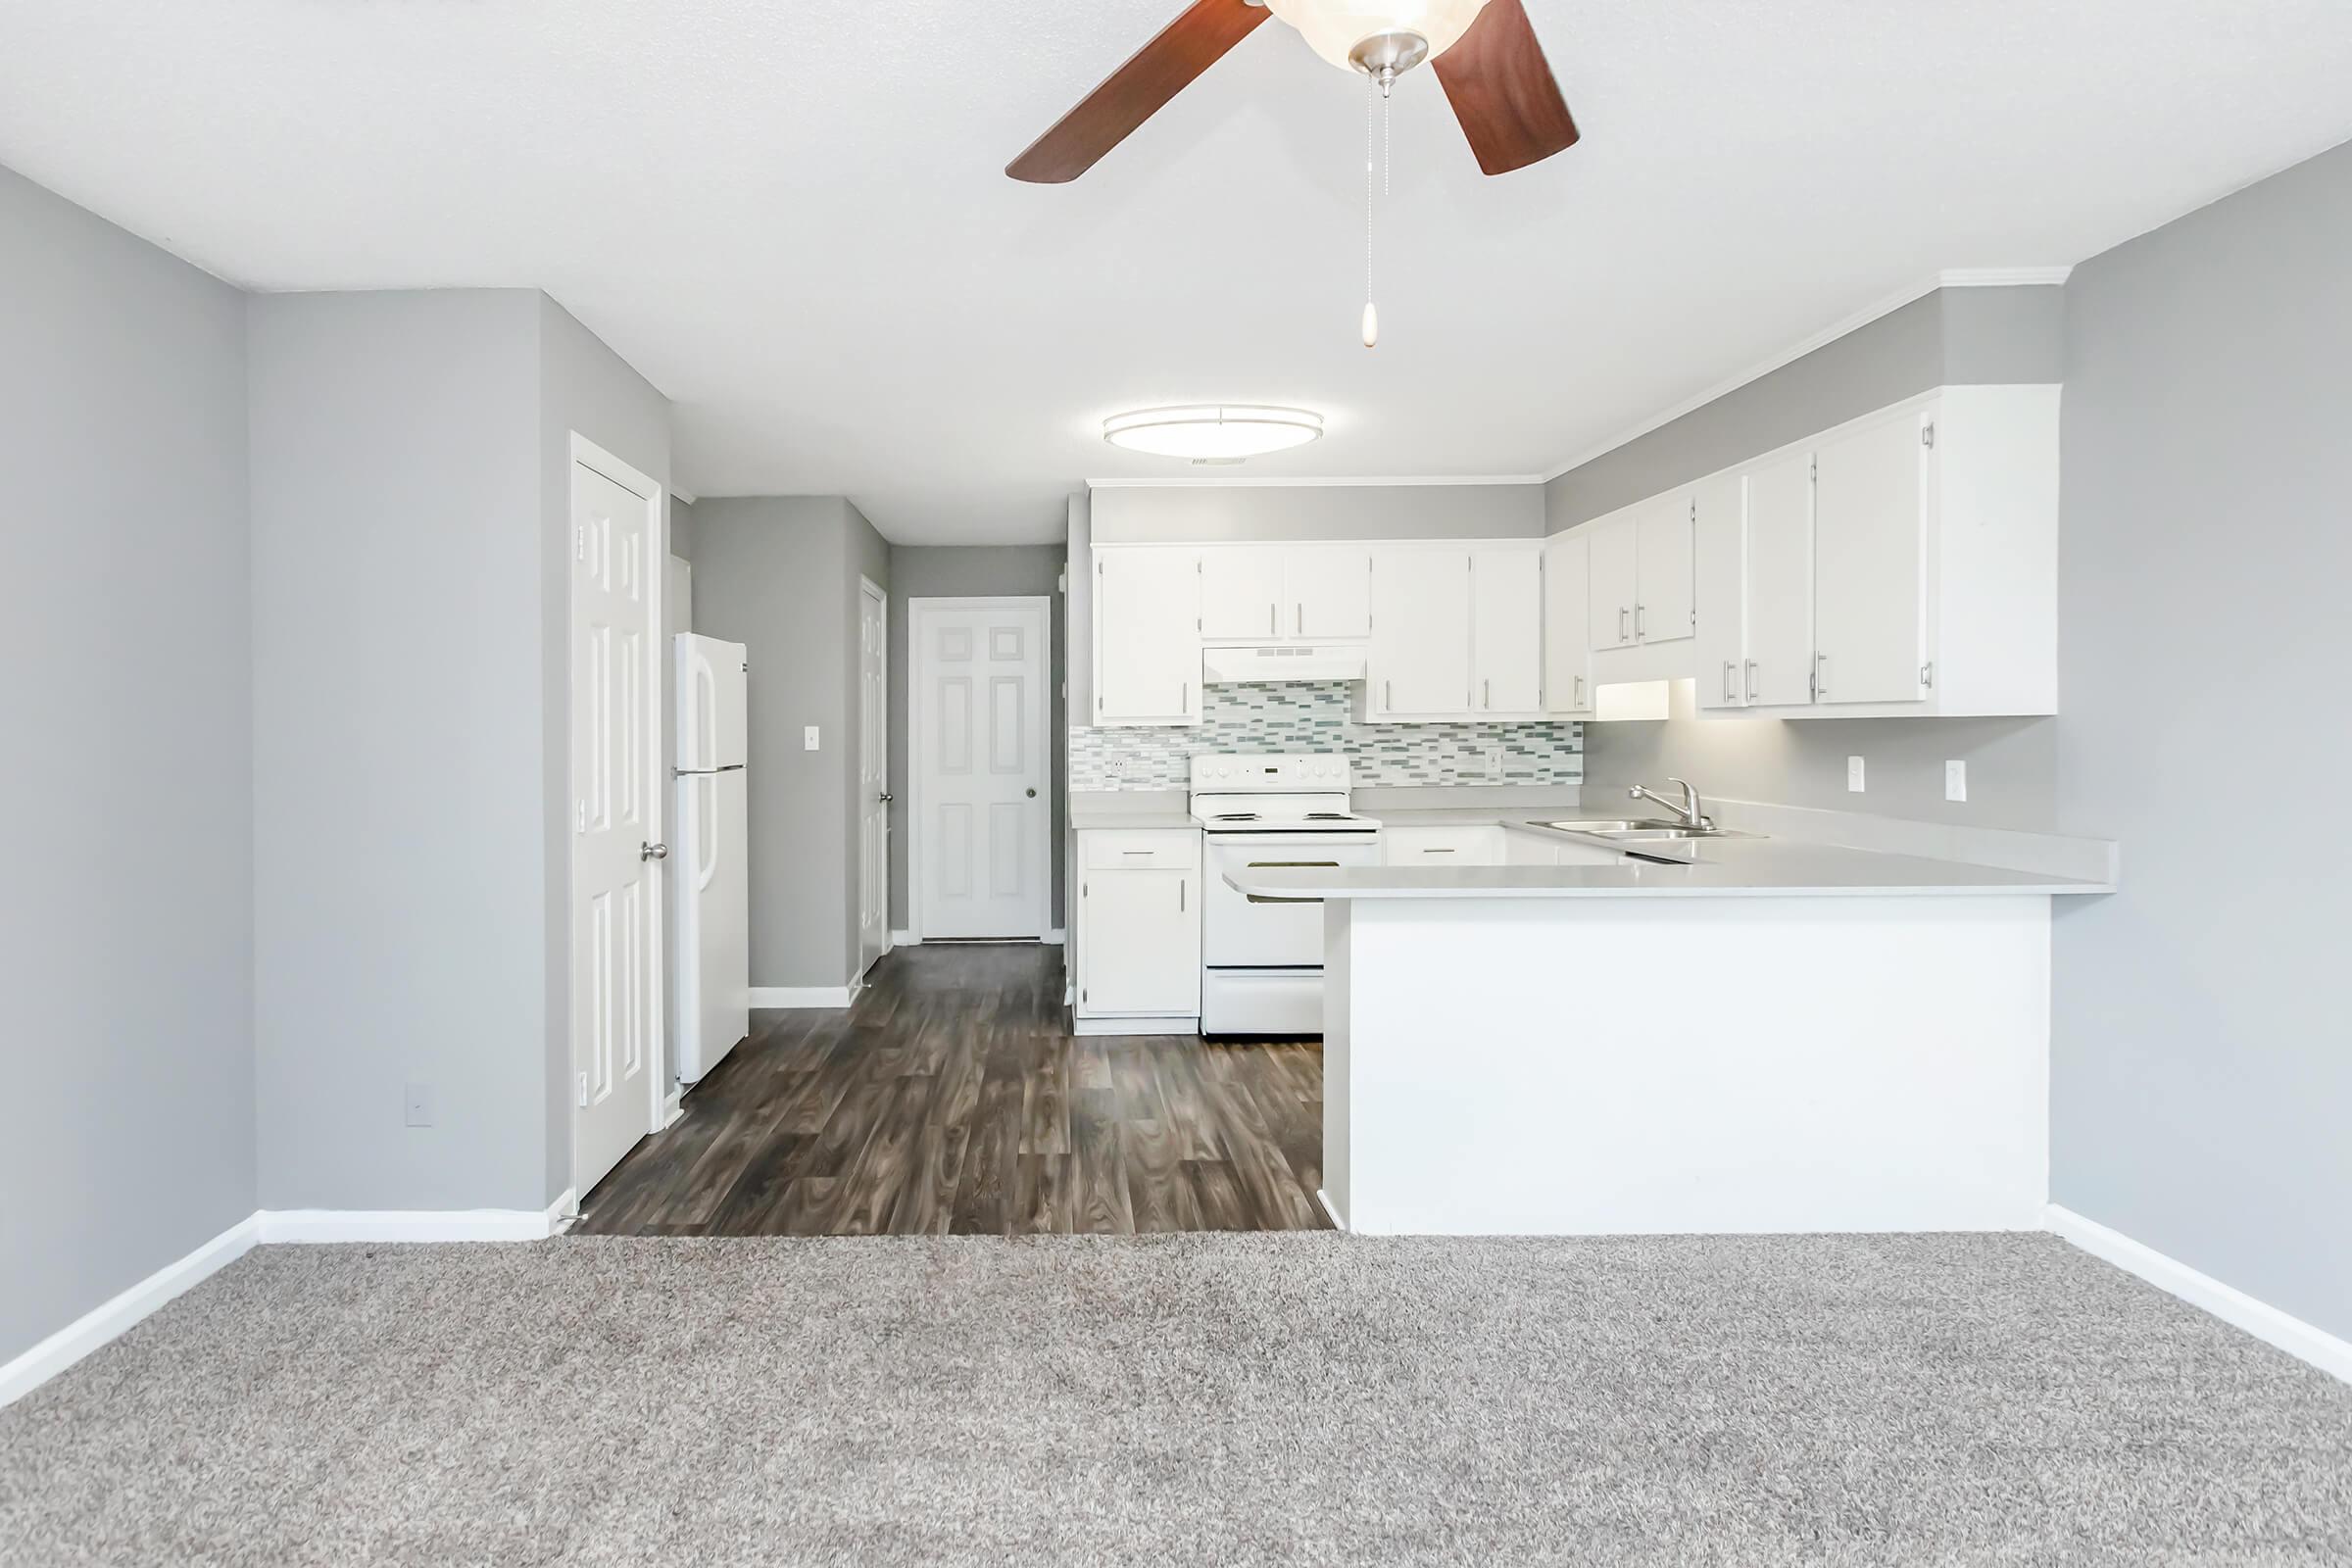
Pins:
x: 1212, y: 432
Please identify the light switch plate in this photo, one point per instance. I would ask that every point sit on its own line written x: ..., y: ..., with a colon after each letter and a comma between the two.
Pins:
x: 808, y: 739
x: 1955, y: 781
x: 1493, y: 762
x: 418, y: 1104
x: 1853, y: 774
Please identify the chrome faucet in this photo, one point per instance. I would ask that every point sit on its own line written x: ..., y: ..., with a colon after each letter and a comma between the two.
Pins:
x: 1687, y: 808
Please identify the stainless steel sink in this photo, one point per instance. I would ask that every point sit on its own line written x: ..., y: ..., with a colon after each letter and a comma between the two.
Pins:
x: 1642, y: 830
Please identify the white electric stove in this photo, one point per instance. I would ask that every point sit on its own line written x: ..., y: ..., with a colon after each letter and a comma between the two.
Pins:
x: 1261, y: 963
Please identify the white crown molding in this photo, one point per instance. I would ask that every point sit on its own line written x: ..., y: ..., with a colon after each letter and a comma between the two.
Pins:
x: 1960, y: 277
x: 2303, y: 1341
x: 1313, y: 481
x: 685, y: 495
x: 114, y: 1316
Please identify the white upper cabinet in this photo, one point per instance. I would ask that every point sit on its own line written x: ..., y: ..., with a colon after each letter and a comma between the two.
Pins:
x: 1615, y: 585
x: 1779, y: 662
x: 1420, y: 654
x: 1869, y: 562
x: 1329, y: 589
x: 1147, y: 635
x: 1506, y: 632
x: 1241, y: 593
x: 1719, y: 522
x: 1905, y: 563
x: 1567, y: 611
x: 1662, y: 569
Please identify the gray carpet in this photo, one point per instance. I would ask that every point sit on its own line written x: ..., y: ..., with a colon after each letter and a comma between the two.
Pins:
x: 1181, y: 1400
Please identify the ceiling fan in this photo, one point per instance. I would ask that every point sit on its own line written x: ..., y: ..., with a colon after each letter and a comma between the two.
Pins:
x: 1484, y: 51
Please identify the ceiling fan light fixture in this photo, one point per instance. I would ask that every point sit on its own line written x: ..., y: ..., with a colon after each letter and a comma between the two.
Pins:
x: 1369, y: 35
x: 1213, y: 432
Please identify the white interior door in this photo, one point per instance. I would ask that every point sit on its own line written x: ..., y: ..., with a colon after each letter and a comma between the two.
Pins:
x: 873, y: 775
x: 977, y: 768
x: 616, y: 813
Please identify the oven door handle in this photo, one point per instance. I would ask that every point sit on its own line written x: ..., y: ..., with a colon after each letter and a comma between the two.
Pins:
x: 1291, y: 866
x: 1268, y: 897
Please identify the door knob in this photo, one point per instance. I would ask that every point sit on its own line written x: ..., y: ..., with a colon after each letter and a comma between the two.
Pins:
x: 886, y: 797
x: 654, y: 851
x: 1032, y: 794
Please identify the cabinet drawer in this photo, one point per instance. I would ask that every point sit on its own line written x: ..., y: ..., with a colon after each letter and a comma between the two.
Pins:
x: 1468, y: 844
x: 1140, y: 848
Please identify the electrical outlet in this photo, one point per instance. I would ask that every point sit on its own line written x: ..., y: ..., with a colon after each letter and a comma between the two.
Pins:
x: 808, y: 739
x: 1853, y: 774
x: 418, y: 1103
x: 1955, y: 781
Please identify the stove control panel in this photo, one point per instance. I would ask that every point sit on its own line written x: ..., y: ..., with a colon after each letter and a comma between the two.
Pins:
x: 1236, y: 774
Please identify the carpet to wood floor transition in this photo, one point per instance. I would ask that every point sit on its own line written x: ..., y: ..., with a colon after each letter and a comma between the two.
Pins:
x: 1178, y: 1400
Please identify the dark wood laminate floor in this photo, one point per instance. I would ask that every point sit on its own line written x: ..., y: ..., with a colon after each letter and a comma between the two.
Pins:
x: 953, y: 1098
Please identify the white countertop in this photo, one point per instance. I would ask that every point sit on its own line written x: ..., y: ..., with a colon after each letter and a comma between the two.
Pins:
x: 1087, y: 814
x: 1727, y: 868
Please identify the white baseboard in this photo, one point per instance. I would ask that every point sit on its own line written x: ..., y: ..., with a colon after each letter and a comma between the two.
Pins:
x: 2299, y: 1338
x: 673, y: 1109
x: 110, y: 1318
x: 805, y: 996
x: 1339, y: 1220
x: 1052, y: 937
x: 278, y: 1225
x: 902, y: 939
x: 1187, y: 1024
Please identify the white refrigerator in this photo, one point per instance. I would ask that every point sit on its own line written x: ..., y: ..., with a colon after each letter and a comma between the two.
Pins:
x: 712, y: 1010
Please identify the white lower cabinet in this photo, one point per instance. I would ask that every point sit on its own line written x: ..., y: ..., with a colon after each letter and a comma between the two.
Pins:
x: 1470, y: 844
x: 1139, y: 925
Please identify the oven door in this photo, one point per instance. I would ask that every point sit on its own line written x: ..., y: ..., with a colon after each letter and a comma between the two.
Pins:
x: 1237, y: 934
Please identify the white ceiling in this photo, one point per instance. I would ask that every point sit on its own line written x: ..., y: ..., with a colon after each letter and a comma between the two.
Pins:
x: 790, y: 216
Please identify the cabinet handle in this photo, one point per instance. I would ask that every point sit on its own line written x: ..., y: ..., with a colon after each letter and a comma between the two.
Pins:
x: 1180, y: 886
x: 1580, y: 691
x: 1302, y: 617
x: 1273, y: 626
x: 1184, y: 698
x: 1821, y: 675
x: 1387, y: 693
x: 1486, y: 694
x: 1268, y: 866
x: 1730, y: 692
x: 1748, y: 692
x: 1447, y: 851
x: 1623, y: 614
x: 1640, y: 620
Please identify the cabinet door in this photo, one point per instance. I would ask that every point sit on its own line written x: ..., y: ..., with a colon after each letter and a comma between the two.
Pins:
x: 1140, y: 943
x: 1528, y: 849
x: 1869, y: 557
x: 1662, y: 570
x: 1147, y: 643
x: 1241, y: 592
x: 1720, y: 591
x: 1327, y: 591
x: 1420, y: 654
x: 1467, y: 844
x: 1614, y: 583
x: 1779, y: 671
x: 1567, y: 619
x: 1507, y: 631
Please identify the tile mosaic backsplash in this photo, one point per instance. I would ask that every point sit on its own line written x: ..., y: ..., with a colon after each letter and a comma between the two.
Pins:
x: 1318, y: 717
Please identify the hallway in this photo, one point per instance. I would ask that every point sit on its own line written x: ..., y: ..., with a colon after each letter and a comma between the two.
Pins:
x: 951, y: 1099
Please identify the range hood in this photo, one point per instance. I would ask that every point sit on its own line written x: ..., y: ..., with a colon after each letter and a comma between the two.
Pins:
x: 1282, y: 662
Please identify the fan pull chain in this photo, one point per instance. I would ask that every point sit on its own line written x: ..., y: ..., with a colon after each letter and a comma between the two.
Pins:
x: 1371, y: 313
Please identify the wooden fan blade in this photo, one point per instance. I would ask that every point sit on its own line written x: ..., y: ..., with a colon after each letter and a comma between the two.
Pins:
x: 1135, y: 92
x: 1503, y: 92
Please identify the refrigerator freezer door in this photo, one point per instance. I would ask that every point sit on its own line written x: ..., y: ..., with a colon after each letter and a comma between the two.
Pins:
x: 711, y: 717
x: 712, y: 1007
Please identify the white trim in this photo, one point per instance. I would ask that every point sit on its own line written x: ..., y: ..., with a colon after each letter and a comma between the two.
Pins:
x: 283, y: 1225
x: 119, y: 1314
x: 2299, y: 1338
x: 1338, y: 1219
x: 1965, y: 277
x: 657, y: 1075
x: 687, y: 496
x: 1312, y: 480
x: 1174, y: 1023
x: 902, y: 939
x: 917, y: 682
x: 868, y: 587
x: 1053, y: 938
x: 805, y: 996
x: 673, y: 1107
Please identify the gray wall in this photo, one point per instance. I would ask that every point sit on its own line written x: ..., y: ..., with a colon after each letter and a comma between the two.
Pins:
x: 2201, y: 1086
x: 402, y: 848
x: 411, y: 735
x: 129, y: 942
x: 945, y: 572
x: 1218, y: 512
x: 1952, y: 337
x: 2011, y: 762
x: 779, y: 575
x: 681, y: 529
